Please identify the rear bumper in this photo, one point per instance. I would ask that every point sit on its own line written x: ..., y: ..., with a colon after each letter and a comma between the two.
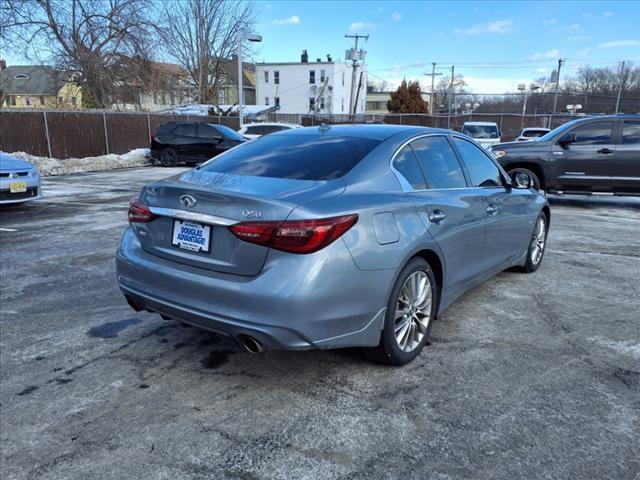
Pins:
x: 297, y: 302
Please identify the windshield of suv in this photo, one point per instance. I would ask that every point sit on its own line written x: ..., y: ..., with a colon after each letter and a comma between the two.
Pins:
x: 481, y: 131
x: 227, y: 132
x: 562, y: 128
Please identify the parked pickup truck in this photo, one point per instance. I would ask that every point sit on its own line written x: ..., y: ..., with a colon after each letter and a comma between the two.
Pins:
x: 592, y: 154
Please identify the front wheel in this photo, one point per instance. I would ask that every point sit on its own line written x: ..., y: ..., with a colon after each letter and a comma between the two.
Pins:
x: 537, y: 244
x: 410, y: 311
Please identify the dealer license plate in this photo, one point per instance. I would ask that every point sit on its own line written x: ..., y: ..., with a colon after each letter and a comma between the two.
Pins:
x: 191, y: 236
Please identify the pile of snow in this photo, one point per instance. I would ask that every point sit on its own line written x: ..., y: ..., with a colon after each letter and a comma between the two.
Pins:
x: 53, y: 166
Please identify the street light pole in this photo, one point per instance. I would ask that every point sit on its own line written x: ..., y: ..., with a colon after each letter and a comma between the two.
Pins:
x: 252, y: 38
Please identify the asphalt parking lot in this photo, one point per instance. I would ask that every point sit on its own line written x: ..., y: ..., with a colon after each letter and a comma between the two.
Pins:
x: 527, y: 376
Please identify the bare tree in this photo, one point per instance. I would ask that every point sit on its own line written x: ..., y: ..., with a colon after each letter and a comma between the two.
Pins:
x: 376, y: 86
x: 96, y: 39
x: 202, y: 35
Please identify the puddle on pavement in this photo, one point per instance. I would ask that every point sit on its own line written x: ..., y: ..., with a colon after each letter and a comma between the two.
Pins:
x: 111, y: 329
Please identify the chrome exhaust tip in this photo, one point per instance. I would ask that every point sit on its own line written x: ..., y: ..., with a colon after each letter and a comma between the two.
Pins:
x: 251, y: 345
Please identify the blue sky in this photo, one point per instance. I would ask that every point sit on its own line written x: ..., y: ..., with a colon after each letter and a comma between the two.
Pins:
x: 495, y: 45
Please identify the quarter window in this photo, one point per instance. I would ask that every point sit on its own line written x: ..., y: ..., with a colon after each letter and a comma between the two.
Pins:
x: 205, y: 131
x: 597, y: 133
x: 407, y: 165
x: 482, y: 171
x: 438, y: 162
x: 631, y: 133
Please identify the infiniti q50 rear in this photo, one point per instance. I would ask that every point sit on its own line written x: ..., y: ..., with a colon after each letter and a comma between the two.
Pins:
x: 329, y: 237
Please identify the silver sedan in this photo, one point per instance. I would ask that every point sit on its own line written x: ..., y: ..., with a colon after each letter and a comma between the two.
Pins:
x: 330, y: 237
x: 19, y: 180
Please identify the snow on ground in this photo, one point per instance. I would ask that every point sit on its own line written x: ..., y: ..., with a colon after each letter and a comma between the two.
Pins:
x: 53, y: 166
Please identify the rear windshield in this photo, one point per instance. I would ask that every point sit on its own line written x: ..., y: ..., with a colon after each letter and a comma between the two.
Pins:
x: 299, y: 157
x: 481, y: 131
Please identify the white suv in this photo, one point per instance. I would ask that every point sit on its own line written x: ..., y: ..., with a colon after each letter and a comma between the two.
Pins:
x: 257, y: 130
x: 485, y: 133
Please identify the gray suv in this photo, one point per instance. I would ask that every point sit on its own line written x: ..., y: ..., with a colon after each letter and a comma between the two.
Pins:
x: 594, y: 154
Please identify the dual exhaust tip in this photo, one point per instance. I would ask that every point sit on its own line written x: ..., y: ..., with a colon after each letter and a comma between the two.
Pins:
x: 251, y: 345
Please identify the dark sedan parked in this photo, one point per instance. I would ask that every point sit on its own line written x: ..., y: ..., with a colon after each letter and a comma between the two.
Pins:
x: 191, y: 142
x: 594, y: 154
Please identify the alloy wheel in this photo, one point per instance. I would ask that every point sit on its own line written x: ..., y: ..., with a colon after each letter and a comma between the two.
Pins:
x: 413, y: 311
x: 538, y: 241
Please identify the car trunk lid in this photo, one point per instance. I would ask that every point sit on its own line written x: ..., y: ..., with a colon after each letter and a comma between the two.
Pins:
x: 220, y: 200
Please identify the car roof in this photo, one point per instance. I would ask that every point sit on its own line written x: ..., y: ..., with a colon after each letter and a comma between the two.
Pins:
x: 274, y: 124
x: 371, y: 131
x: 535, y: 128
x: 483, y: 124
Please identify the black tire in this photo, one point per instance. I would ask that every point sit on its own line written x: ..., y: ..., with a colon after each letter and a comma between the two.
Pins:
x: 388, y: 352
x: 534, y: 177
x: 168, y: 157
x: 530, y: 265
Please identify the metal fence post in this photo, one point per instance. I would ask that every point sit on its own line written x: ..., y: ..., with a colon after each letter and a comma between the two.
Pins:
x: 46, y: 132
x: 501, y: 122
x: 149, y: 125
x: 106, y: 136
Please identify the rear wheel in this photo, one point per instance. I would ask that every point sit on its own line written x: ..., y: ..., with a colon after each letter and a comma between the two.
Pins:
x: 536, y: 245
x: 534, y: 177
x: 168, y: 157
x: 410, y: 311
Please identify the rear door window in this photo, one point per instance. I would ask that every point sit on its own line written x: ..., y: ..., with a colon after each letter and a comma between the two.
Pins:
x: 438, y: 162
x: 406, y: 164
x: 596, y: 133
x: 631, y: 133
x: 482, y: 171
x: 299, y: 157
x: 186, y: 130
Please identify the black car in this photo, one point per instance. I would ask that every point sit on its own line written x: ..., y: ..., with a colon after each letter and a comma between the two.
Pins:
x: 593, y: 154
x: 191, y: 142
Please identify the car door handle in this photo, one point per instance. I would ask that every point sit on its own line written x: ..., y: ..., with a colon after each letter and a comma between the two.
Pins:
x: 605, y: 151
x: 437, y: 216
x: 492, y: 209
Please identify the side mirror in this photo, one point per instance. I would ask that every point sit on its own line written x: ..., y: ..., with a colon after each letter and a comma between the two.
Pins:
x: 522, y: 180
x: 566, y: 139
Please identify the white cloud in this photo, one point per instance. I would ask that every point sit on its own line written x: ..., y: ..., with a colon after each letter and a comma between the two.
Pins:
x: 619, y: 43
x: 541, y: 70
x: 579, y: 38
x: 292, y: 20
x: 499, y: 26
x: 555, y: 53
x: 356, y: 26
x: 584, y: 52
x: 567, y: 28
x: 396, y: 16
x: 607, y: 13
x: 550, y: 21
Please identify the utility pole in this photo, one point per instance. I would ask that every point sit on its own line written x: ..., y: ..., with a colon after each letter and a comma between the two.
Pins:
x: 433, y: 77
x: 623, y: 80
x: 453, y: 67
x: 555, y: 99
x: 354, y: 55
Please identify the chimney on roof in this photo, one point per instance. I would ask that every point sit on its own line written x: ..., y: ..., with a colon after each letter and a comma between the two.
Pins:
x: 3, y: 64
x: 329, y: 59
x: 304, y: 58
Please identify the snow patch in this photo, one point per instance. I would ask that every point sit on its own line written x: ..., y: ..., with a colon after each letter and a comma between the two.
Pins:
x: 53, y: 166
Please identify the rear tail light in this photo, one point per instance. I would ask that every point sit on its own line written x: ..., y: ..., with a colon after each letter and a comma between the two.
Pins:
x: 295, y: 236
x: 139, y: 211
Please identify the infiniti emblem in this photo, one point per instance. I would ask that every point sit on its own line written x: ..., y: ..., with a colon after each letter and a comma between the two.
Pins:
x: 187, y: 201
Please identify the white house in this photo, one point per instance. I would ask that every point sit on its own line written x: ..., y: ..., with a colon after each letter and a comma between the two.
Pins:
x: 322, y: 87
